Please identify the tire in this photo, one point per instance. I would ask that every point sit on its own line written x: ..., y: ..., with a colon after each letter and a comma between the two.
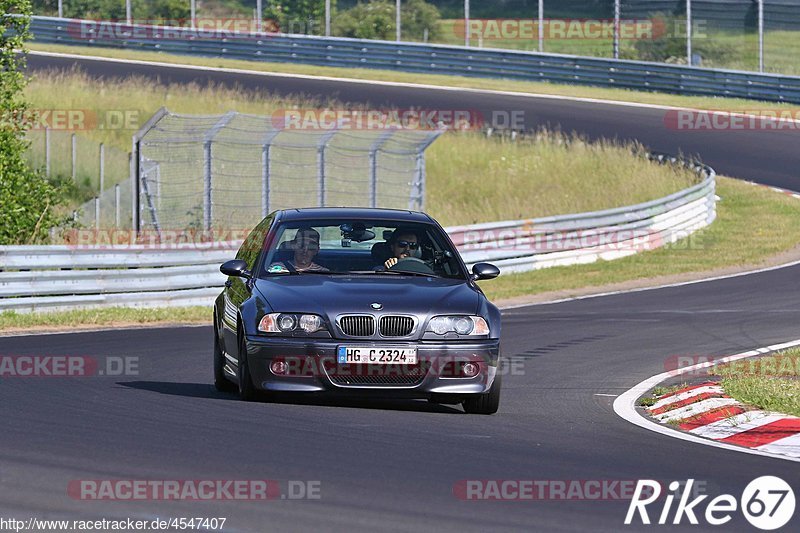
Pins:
x: 221, y: 383
x: 486, y: 403
x: 247, y: 391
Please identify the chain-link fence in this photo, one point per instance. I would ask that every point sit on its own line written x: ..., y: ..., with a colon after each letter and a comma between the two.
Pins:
x: 228, y: 171
x: 756, y: 35
x: 94, y: 169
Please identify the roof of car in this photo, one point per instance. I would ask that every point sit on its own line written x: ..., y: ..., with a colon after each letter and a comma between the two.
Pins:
x: 354, y: 213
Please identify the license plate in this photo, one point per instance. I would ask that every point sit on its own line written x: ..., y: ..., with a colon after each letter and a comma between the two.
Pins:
x: 376, y: 356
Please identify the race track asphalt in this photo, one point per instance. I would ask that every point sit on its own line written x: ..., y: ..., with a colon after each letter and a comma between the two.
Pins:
x: 393, y: 465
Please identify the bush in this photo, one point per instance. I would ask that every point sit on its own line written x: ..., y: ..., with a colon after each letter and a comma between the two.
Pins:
x: 376, y: 20
x: 670, y: 46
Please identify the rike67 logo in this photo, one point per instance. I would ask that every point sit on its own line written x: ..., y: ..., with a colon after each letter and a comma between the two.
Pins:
x: 767, y: 502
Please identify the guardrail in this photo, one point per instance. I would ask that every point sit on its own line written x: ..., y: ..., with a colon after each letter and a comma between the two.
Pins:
x: 426, y: 58
x: 139, y: 275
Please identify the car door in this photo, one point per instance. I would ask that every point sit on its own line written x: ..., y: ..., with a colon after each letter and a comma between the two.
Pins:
x: 238, y: 290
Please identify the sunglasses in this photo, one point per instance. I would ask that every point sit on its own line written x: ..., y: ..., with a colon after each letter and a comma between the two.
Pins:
x: 407, y: 244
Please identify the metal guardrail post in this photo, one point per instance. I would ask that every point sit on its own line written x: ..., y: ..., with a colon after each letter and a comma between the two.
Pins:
x: 97, y: 213
x: 266, y: 171
x: 128, y: 12
x: 61, y: 9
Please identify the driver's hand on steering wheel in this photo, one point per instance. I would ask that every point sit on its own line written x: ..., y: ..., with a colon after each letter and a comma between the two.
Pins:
x: 390, y: 262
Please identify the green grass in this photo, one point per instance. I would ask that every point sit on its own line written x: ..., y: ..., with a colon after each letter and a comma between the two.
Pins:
x: 771, y: 383
x: 531, y: 177
x: 113, y: 316
x: 657, y: 392
x: 623, y: 95
x: 753, y: 223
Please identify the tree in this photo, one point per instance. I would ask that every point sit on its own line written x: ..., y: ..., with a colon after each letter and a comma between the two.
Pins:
x: 27, y: 199
x: 298, y: 16
x: 376, y: 20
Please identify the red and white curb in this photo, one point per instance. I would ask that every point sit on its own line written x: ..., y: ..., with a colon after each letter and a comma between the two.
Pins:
x: 706, y: 411
x: 708, y: 416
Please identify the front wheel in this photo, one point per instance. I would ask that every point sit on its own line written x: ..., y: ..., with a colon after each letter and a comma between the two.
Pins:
x: 486, y: 403
x: 247, y: 391
x: 221, y: 382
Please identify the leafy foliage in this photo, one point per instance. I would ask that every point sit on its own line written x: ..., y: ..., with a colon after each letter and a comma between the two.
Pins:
x: 376, y: 20
x: 27, y: 199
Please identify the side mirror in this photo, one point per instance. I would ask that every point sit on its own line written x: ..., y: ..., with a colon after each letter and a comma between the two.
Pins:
x: 484, y: 271
x: 236, y: 268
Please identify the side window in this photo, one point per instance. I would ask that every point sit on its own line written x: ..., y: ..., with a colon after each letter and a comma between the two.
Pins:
x: 251, y: 247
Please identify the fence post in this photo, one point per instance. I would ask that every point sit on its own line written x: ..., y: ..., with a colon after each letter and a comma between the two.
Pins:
x: 193, y: 11
x: 207, y: 167
x: 761, y: 35
x: 689, y: 32
x: 397, y: 20
x: 266, y: 163
x: 61, y: 9
x: 97, y: 213
x: 373, y: 166
x: 541, y: 25
x: 322, y: 192
x: 47, y: 152
x: 327, y: 18
x: 259, y: 16
x: 128, y: 14
x: 466, y: 22
x: 74, y: 157
x: 116, y: 205
x: 616, y: 28
x: 102, y: 167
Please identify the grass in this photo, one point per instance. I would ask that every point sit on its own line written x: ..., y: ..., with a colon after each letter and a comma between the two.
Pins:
x: 753, y: 223
x: 532, y: 177
x: 771, y: 383
x: 657, y: 392
x: 112, y: 316
x: 622, y: 95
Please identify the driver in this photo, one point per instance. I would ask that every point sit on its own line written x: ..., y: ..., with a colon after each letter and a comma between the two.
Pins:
x: 402, y: 243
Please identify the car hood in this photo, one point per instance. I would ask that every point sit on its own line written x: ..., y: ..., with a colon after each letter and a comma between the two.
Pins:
x: 333, y: 295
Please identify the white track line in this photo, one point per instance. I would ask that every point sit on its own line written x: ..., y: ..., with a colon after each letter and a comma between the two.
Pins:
x: 625, y: 404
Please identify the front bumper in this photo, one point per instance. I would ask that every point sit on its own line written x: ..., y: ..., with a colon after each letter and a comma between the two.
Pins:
x: 311, y: 367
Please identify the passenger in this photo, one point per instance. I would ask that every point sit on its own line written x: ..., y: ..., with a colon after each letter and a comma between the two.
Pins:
x: 306, y: 246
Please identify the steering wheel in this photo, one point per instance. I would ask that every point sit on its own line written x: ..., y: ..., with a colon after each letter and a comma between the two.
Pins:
x: 412, y: 264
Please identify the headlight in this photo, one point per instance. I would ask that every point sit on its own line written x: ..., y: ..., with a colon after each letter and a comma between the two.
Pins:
x: 462, y: 325
x: 290, y: 323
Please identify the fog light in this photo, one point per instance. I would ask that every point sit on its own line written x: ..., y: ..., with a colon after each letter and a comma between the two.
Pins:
x: 470, y: 370
x: 278, y: 367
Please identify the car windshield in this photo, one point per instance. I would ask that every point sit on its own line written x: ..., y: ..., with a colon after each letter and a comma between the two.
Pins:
x: 360, y: 247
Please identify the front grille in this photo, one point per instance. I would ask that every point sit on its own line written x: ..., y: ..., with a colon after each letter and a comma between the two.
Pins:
x: 357, y: 325
x: 377, y: 375
x: 396, y: 326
